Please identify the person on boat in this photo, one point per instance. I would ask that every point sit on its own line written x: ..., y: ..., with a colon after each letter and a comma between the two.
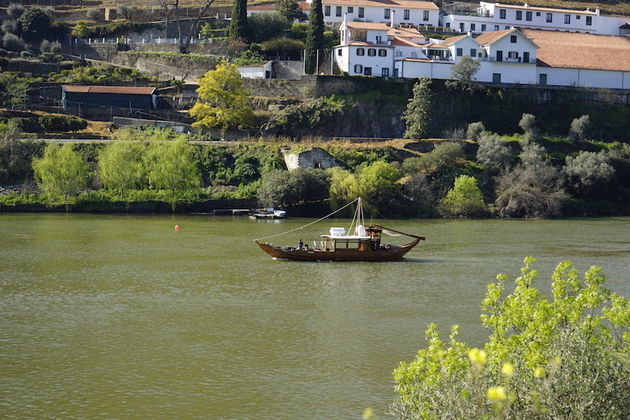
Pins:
x: 300, y: 244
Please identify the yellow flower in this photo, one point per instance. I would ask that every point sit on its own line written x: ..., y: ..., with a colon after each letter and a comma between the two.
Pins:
x: 507, y: 369
x: 477, y: 356
x: 368, y: 414
x: 496, y: 393
x: 539, y: 372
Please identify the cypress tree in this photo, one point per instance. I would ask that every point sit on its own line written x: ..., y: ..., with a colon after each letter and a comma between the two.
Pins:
x: 238, y: 24
x: 314, y: 36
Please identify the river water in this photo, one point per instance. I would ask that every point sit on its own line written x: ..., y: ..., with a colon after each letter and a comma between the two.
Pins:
x: 122, y: 316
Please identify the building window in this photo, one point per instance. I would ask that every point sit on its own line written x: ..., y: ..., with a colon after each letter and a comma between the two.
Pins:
x: 473, y: 52
x: 519, y: 15
x: 386, y: 13
x: 513, y: 55
x: 360, y: 51
x: 379, y: 39
x: 350, y: 9
x: 507, y: 27
x: 542, y: 79
x: 567, y: 19
x: 496, y: 27
x: 326, y: 10
x: 406, y: 14
x: 398, y: 54
x: 425, y: 15
x: 526, y: 57
x: 496, y: 77
x: 372, y: 52
x: 361, y: 11
x: 339, y: 52
x: 385, y: 72
x: 501, y: 13
x: 483, y: 27
x: 473, y: 26
x: 537, y: 13
x: 528, y: 16
x: 578, y: 17
x: 589, y: 20
x: 358, y: 68
x: 461, y: 26
x: 448, y: 24
x: 382, y: 52
x: 499, y: 55
x: 513, y: 39
x: 460, y: 52
x: 367, y: 71
x: 338, y: 11
x: 549, y: 17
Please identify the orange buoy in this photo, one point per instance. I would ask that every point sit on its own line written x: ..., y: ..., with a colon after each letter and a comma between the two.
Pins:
x: 176, y: 227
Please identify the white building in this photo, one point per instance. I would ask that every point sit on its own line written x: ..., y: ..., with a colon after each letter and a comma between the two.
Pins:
x: 496, y: 16
x: 257, y: 71
x: 411, y: 12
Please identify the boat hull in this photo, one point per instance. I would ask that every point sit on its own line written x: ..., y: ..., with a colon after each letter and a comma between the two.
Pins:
x: 392, y: 253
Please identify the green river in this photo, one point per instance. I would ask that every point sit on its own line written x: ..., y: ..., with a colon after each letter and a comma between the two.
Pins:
x: 121, y: 316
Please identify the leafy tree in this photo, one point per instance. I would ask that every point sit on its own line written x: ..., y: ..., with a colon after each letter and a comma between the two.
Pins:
x: 13, y: 91
x: 80, y: 30
x: 264, y: 26
x: 238, y: 24
x: 15, y: 10
x: 588, y: 170
x: 344, y: 187
x: 378, y: 186
x: 558, y: 357
x: 444, y: 156
x: 121, y: 167
x: 577, y: 131
x: 464, y: 199
x: 417, y: 116
x: 12, y: 42
x: 463, y: 75
x: 34, y: 24
x: 222, y: 99
x: 9, y: 26
x: 288, y: 188
x: 15, y: 155
x: 94, y: 14
x: 528, y: 125
x: 61, y: 172
x: 47, y: 46
x: 493, y: 151
x: 474, y: 130
x: 171, y: 168
x: 290, y: 10
x: 377, y: 174
x: 419, y: 190
x: 314, y: 36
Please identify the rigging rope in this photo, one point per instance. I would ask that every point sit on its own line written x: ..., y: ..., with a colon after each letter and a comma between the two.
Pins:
x: 308, y: 224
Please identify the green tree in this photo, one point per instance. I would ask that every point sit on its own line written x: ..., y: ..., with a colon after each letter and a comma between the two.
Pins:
x: 15, y: 155
x: 560, y: 357
x: 474, y: 130
x: 288, y: 188
x: 61, y: 172
x: 262, y: 27
x: 34, y: 24
x: 493, y: 151
x: 417, y: 116
x: 12, y: 42
x: 171, y: 168
x: 579, y: 126
x: 314, y: 36
x: 121, y: 167
x: 222, y: 99
x: 463, y: 75
x: 528, y: 125
x: 238, y: 24
x: 588, y: 171
x: 464, y: 199
x: 13, y: 91
x: 383, y: 195
x: 290, y: 10
x: 15, y: 10
x: 344, y: 187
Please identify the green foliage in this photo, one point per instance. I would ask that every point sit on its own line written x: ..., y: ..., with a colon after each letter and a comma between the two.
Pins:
x: 493, y: 151
x: 588, y: 171
x: 94, y: 14
x: 249, y: 57
x: 578, y: 129
x: 444, y: 156
x: 314, y: 36
x: 417, y: 116
x: 98, y: 74
x: 528, y: 125
x: 34, y: 24
x: 464, y: 199
x: 61, y: 123
x: 282, y: 189
x: 564, y: 357
x: 463, y: 75
x: 222, y: 99
x: 290, y: 10
x: 238, y: 24
x: 13, y: 90
x: 121, y: 166
x: 419, y: 190
x: 11, y: 42
x: 15, y: 10
x: 265, y: 26
x: 61, y: 172
x: 110, y: 30
x: 383, y: 195
x: 51, y: 47
x: 344, y: 187
x: 474, y: 130
x: 280, y: 46
x: 16, y: 156
x: 305, y: 116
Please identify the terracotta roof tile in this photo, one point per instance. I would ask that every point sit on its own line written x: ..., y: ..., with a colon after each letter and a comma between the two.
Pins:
x: 127, y: 90
x: 402, y: 42
x: 581, y: 51
x: 377, y: 26
x: 488, y: 38
x: 404, y: 33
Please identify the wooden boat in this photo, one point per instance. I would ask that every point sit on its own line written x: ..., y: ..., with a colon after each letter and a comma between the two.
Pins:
x: 364, y: 244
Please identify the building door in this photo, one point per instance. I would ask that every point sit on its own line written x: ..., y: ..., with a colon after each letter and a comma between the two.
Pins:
x: 367, y: 71
x: 526, y: 57
x: 385, y: 72
x: 496, y: 77
x: 499, y: 55
x: 542, y: 79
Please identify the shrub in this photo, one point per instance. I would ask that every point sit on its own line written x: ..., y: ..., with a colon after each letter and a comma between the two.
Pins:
x: 34, y: 24
x: 474, y: 130
x: 94, y: 14
x: 26, y: 54
x: 493, y: 151
x: 9, y: 26
x: 12, y: 42
x: 264, y: 26
x: 287, y: 188
x: 464, y: 199
x: 61, y: 172
x: 579, y: 126
x: 588, y: 170
x: 47, y: 46
x: 279, y: 46
x: 61, y: 123
x: 528, y: 125
x: 15, y: 10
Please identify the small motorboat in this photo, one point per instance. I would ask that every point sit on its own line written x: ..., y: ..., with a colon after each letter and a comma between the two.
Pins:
x: 268, y: 213
x: 363, y: 243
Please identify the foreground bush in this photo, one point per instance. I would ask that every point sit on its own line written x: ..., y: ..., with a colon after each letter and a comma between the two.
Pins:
x: 564, y: 357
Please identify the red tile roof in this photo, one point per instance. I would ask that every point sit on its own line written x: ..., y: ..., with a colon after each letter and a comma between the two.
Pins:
x: 488, y: 38
x: 126, y: 90
x: 581, y: 51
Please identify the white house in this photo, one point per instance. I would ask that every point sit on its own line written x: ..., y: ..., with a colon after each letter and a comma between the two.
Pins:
x: 496, y: 16
x: 412, y: 12
x: 257, y: 71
